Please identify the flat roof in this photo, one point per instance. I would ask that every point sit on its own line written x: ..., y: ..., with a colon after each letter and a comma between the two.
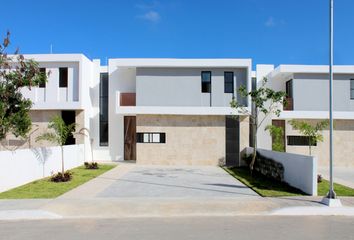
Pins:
x: 54, y: 57
x: 338, y: 69
x: 179, y: 62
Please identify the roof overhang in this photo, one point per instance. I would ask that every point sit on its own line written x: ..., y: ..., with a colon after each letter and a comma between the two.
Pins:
x: 178, y: 110
x: 185, y: 63
x: 319, y: 69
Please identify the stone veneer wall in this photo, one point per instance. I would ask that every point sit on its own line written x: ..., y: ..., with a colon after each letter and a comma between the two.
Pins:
x: 343, y: 137
x: 190, y: 140
x: 40, y: 120
x: 244, y: 133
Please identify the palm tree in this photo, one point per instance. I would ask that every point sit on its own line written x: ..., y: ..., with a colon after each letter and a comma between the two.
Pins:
x: 59, y: 136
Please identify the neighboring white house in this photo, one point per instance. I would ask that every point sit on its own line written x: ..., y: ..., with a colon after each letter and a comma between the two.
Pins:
x: 307, y: 89
x: 177, y: 111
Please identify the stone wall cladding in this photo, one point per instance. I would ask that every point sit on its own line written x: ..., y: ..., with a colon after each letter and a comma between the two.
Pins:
x: 40, y: 119
x: 190, y: 140
x: 244, y: 132
x: 343, y: 137
x: 269, y: 168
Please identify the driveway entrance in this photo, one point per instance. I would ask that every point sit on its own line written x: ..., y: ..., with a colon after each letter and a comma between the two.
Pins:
x: 176, y: 182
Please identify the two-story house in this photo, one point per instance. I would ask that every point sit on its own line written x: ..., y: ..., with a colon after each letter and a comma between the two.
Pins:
x: 177, y: 111
x: 154, y: 111
x: 66, y: 93
x: 307, y: 89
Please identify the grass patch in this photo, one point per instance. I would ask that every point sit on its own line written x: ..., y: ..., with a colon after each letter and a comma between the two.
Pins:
x: 323, y: 188
x: 263, y: 186
x: 44, y: 188
x: 269, y: 188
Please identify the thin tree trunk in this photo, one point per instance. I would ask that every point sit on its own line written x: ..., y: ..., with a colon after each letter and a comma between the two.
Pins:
x: 62, y: 160
x: 254, y: 145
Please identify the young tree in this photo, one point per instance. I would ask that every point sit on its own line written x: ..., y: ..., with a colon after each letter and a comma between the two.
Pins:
x: 61, y: 132
x: 277, y: 137
x: 16, y: 72
x: 266, y: 101
x: 312, y: 132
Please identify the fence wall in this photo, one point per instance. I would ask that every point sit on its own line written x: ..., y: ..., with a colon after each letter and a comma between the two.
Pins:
x: 26, y: 165
x: 300, y: 171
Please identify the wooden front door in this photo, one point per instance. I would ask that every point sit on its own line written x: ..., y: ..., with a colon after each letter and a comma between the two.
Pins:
x: 129, y: 138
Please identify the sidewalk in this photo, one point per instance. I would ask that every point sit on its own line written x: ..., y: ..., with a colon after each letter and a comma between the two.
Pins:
x: 87, y: 202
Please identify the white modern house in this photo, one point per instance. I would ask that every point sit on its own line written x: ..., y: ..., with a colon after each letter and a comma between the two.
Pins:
x: 307, y: 89
x: 154, y: 111
x: 177, y: 111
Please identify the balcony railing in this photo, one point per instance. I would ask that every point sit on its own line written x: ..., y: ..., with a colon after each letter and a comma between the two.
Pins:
x: 127, y: 99
x: 289, y: 104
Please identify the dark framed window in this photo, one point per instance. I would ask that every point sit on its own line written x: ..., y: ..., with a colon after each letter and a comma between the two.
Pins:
x: 42, y: 72
x: 151, y: 137
x: 289, y: 89
x: 63, y: 77
x: 69, y: 117
x: 206, y: 81
x: 300, y: 141
x: 229, y: 82
x: 352, y: 89
x: 104, y: 109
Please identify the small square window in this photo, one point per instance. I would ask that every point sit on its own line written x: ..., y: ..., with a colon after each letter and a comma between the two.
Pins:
x: 151, y: 137
x: 146, y: 138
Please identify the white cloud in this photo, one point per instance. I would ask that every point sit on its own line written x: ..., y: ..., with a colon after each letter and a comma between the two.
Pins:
x: 151, y: 16
x: 145, y: 6
x: 270, y: 22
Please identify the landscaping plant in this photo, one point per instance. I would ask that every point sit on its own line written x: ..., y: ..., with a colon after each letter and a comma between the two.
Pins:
x: 266, y: 101
x: 16, y: 73
x: 311, y: 131
x: 59, y: 135
x: 277, y: 137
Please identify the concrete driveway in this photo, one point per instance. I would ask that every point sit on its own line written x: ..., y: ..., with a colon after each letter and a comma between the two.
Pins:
x: 176, y: 182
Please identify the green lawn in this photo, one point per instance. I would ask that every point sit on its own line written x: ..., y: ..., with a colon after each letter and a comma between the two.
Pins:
x: 323, y: 188
x: 261, y: 185
x: 44, y: 188
x: 269, y: 188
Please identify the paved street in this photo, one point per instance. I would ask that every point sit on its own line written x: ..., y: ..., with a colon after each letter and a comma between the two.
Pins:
x: 183, y: 228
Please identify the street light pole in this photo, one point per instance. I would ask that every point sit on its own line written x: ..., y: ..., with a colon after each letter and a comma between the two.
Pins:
x: 331, y: 193
x: 331, y: 199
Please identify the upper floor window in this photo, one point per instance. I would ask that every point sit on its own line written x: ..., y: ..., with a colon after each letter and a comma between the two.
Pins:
x: 63, y: 77
x: 206, y: 81
x: 289, y: 89
x: 42, y: 72
x: 228, y: 82
x: 352, y: 89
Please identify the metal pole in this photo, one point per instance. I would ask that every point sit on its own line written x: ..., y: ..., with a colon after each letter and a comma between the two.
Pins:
x: 331, y: 193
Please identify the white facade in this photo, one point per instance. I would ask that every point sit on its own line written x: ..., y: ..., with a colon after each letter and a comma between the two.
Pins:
x: 173, y: 87
x: 309, y: 99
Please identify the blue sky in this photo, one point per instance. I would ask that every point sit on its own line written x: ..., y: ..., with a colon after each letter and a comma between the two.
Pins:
x: 272, y: 31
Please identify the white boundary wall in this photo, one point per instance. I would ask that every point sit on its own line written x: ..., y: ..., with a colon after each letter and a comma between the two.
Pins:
x: 26, y: 165
x: 300, y: 171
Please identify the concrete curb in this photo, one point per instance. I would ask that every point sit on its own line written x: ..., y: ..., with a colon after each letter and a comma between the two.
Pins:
x: 27, y: 215
x: 313, y: 211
